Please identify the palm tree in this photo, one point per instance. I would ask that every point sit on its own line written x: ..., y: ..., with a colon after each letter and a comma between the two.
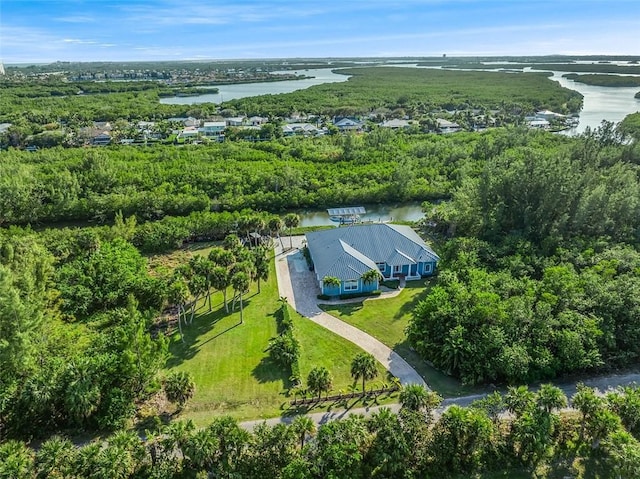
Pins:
x: 223, y: 257
x: 291, y: 221
x: 319, y: 380
x: 179, y: 388
x: 275, y: 226
x: 331, y: 281
x: 415, y: 397
x: 371, y: 276
x: 240, y: 284
x: 197, y: 287
x: 178, y: 295
x: 519, y: 400
x: 260, y: 265
x: 303, y: 426
x: 221, y: 280
x: 363, y: 366
x: 232, y: 243
x: 550, y: 397
x: 55, y: 458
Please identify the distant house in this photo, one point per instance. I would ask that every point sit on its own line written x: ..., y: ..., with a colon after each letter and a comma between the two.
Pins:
x: 235, y: 121
x: 186, y: 121
x: 101, y: 139
x: 446, y: 126
x: 257, y: 120
x: 347, y: 253
x: 213, y: 129
x: 4, y: 127
x: 188, y: 133
x: 348, y: 124
x: 396, y: 124
x: 548, y: 115
x: 303, y: 129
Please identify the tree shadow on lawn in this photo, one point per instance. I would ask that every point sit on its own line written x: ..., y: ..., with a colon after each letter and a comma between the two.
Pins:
x: 202, y: 324
x: 348, y: 309
x: 268, y: 371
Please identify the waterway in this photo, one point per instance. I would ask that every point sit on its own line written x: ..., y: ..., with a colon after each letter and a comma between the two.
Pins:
x: 375, y: 213
x: 243, y: 90
x: 600, y: 103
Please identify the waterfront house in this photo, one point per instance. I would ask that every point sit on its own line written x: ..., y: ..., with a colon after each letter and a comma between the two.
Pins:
x: 347, y: 253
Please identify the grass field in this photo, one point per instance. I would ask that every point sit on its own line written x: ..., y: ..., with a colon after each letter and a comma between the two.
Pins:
x: 386, y: 320
x: 232, y: 369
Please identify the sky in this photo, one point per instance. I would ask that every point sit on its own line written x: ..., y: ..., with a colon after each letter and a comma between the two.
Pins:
x: 43, y: 31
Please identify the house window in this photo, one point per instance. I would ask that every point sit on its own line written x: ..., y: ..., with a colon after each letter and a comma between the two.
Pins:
x: 351, y: 285
x: 381, y: 266
x: 427, y: 268
x: 397, y: 268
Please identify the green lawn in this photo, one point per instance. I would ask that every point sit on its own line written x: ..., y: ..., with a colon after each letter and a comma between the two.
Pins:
x: 229, y: 362
x: 386, y: 319
x: 321, y: 347
x: 233, y: 371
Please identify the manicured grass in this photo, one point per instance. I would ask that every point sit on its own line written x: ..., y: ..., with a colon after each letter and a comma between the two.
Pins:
x: 229, y: 362
x: 321, y: 347
x: 232, y: 369
x: 386, y: 319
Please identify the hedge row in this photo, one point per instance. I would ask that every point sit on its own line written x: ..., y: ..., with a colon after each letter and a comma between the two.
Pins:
x: 285, y: 348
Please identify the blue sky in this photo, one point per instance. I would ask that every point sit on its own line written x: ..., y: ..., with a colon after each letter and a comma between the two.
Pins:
x: 112, y: 30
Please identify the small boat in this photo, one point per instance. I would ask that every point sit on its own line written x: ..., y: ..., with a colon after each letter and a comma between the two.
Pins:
x: 345, y: 220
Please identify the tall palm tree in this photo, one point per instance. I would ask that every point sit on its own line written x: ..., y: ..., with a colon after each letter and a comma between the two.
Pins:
x: 363, y: 366
x: 197, y: 287
x: 261, y: 265
x: 275, y: 226
x: 291, y: 220
x: 303, y: 426
x: 240, y: 284
x: 221, y: 280
x: 179, y: 295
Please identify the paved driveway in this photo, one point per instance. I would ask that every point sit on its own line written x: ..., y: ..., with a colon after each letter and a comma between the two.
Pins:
x: 299, y: 286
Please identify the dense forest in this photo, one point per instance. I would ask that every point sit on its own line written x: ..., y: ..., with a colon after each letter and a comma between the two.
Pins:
x: 604, y: 80
x: 540, y: 266
x: 419, y: 91
x: 383, y: 166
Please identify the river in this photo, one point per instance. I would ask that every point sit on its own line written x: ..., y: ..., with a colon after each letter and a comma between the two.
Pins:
x: 397, y: 212
x: 243, y: 90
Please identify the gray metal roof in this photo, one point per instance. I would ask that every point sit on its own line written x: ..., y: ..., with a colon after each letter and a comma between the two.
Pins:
x: 351, y: 210
x: 342, y: 252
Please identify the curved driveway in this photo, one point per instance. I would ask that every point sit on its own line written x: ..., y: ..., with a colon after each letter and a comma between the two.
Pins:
x: 299, y: 286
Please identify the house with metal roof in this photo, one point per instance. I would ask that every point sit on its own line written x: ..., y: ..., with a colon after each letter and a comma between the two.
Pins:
x: 347, y: 253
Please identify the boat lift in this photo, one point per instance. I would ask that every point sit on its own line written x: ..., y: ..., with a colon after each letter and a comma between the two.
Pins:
x: 346, y: 216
